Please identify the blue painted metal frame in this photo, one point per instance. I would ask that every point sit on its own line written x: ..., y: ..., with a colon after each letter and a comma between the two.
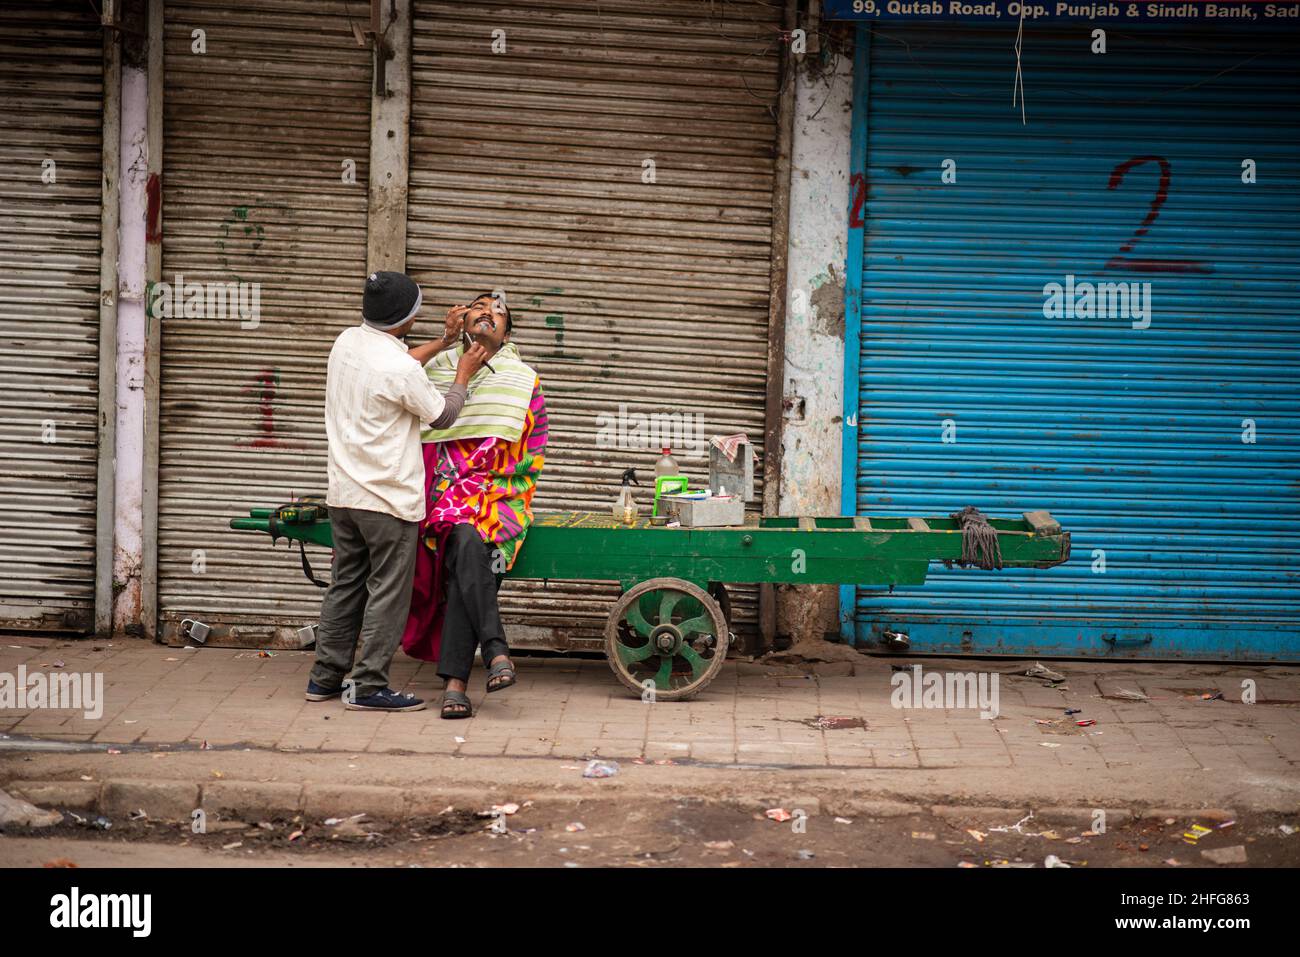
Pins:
x: 853, y: 308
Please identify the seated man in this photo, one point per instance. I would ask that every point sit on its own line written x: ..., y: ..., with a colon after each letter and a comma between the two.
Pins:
x: 480, y: 474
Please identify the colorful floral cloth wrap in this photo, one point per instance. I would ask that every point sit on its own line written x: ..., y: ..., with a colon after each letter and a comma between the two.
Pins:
x: 482, y: 470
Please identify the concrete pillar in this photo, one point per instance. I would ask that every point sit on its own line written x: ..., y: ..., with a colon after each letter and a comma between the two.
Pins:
x: 390, y: 140
x: 128, y: 526
x: 814, y: 342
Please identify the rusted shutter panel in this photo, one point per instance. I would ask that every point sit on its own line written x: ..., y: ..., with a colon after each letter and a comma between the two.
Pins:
x: 528, y: 172
x: 51, y: 106
x: 257, y: 131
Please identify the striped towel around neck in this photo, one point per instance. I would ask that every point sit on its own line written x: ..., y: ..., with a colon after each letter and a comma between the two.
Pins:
x: 498, y: 401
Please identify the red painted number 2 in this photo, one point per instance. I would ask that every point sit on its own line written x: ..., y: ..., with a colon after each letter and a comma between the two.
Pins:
x: 1162, y: 193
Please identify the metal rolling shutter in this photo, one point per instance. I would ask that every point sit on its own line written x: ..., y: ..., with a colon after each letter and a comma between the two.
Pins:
x: 51, y: 106
x: 1131, y: 437
x: 255, y: 134
x: 526, y: 174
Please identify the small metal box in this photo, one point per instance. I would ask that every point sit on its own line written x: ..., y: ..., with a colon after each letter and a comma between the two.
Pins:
x: 705, y: 512
x: 736, y: 477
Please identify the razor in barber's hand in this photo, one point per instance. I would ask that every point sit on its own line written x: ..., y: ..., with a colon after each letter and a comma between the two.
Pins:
x: 467, y: 342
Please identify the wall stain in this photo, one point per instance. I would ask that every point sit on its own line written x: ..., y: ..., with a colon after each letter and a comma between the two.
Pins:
x: 827, y: 302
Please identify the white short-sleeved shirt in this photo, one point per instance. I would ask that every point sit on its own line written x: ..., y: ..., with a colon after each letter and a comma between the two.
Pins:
x: 377, y: 399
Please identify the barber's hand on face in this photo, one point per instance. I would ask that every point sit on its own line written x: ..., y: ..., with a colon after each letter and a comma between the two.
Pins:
x: 455, y: 323
x: 470, y: 362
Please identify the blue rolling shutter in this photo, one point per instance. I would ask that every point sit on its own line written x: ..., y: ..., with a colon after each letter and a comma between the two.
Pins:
x: 1136, y: 439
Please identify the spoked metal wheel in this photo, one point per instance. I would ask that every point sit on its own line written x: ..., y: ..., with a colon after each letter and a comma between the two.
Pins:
x: 669, y: 633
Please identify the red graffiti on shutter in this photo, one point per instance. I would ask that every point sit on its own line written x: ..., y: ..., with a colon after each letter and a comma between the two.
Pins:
x: 153, y: 196
x: 858, y: 192
x: 264, y: 386
x: 1162, y: 194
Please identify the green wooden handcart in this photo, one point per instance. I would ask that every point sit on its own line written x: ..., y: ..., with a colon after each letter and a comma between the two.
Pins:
x: 669, y: 630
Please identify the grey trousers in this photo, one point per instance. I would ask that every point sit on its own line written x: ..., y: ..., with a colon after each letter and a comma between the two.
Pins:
x: 368, y: 599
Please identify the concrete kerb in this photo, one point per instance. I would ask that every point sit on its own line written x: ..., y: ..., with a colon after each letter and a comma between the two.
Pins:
x: 69, y: 795
x: 160, y: 800
x: 250, y: 800
x: 175, y: 801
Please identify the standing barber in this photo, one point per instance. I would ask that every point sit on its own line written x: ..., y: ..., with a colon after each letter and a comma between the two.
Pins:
x: 377, y: 399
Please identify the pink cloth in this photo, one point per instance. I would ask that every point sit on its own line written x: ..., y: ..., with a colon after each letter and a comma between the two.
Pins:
x: 423, y: 635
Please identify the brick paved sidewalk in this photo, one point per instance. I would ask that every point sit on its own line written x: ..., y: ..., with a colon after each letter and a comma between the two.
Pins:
x: 751, y: 715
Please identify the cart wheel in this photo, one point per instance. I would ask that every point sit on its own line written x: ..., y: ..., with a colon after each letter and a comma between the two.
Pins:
x: 668, y: 632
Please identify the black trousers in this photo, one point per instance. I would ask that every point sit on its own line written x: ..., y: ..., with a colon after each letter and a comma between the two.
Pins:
x: 472, y: 618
